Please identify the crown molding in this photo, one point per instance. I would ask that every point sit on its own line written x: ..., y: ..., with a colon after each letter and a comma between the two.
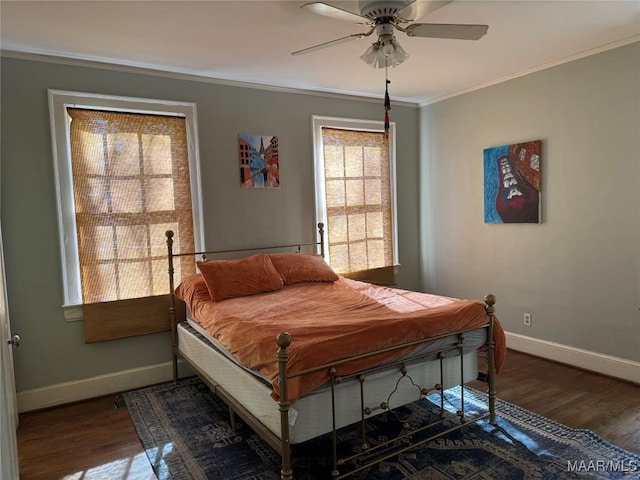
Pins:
x: 145, y: 70
x: 544, y: 66
x: 178, y: 75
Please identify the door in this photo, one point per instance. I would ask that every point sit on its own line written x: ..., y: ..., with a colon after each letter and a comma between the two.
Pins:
x: 8, y: 407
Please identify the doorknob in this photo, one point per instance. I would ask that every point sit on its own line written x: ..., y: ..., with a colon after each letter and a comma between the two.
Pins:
x: 15, y: 341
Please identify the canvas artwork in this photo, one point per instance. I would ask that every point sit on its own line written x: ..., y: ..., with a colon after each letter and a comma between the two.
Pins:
x: 512, y: 183
x: 259, y: 162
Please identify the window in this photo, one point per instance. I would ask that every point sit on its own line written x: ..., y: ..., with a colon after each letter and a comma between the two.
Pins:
x: 355, y: 196
x: 126, y: 171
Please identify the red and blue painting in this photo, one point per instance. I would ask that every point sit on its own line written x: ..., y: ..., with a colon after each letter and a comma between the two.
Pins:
x: 259, y: 161
x: 512, y: 183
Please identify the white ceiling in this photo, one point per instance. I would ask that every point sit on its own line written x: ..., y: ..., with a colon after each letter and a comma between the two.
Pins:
x: 251, y: 41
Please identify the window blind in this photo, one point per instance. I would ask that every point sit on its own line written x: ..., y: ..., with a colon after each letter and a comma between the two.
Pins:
x: 358, y: 203
x: 131, y: 183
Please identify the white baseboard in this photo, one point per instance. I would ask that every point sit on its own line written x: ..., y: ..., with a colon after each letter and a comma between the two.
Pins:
x: 101, y: 385
x: 596, y: 362
x: 68, y: 392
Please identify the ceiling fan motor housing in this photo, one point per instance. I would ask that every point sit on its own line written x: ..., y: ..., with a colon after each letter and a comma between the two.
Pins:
x: 380, y: 9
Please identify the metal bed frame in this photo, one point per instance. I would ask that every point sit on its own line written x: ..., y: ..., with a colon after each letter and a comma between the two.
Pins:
x: 282, y: 444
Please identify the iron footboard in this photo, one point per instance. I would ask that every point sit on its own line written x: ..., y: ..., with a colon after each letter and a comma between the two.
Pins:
x: 404, y: 440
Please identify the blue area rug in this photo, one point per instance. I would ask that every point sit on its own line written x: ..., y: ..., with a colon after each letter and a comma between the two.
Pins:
x: 186, y: 434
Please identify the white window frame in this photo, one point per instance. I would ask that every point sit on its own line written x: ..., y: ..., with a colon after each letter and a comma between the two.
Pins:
x: 320, y: 122
x: 59, y: 101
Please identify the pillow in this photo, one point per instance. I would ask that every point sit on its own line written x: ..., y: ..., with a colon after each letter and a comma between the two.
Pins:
x: 239, y: 278
x: 301, y: 267
x: 192, y: 289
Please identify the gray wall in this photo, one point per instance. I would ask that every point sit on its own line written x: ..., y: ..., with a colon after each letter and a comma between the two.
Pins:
x: 52, y: 350
x: 577, y: 273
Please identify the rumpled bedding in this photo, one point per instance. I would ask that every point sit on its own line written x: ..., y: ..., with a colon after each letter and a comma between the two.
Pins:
x: 329, y: 321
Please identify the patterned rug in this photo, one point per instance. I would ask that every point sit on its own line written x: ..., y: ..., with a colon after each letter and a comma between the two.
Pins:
x: 186, y: 434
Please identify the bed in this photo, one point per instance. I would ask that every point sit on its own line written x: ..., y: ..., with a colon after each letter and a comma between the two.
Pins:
x: 297, y: 351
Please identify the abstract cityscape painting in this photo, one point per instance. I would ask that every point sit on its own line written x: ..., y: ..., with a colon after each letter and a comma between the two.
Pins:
x: 259, y: 161
x: 512, y: 183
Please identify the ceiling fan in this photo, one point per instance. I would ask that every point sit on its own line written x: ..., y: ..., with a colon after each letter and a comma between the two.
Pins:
x: 383, y: 17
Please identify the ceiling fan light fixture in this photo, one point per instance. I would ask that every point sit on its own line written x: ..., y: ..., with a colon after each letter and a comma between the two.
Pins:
x: 387, y: 47
x: 399, y: 55
x: 386, y: 52
x: 370, y: 55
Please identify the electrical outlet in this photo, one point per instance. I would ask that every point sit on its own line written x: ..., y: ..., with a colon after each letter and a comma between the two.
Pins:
x: 527, y: 319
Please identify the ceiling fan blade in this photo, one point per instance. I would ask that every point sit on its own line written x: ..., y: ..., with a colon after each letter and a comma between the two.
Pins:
x: 444, y: 30
x: 332, y: 42
x: 420, y: 8
x: 327, y: 10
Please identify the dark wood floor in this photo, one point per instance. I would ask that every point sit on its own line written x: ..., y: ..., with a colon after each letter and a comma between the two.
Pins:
x: 94, y: 440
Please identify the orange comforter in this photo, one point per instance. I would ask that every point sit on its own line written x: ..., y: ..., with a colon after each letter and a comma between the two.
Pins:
x: 329, y: 321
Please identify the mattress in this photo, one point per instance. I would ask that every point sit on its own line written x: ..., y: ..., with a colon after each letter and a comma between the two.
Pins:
x: 310, y: 415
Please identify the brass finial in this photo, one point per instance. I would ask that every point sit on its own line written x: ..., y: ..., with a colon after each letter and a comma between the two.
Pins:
x: 283, y: 340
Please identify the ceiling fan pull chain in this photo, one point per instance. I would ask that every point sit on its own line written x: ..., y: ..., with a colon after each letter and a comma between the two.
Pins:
x: 387, y: 100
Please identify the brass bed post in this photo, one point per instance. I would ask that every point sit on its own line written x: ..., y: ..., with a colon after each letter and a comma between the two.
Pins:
x: 321, y: 234
x: 460, y: 347
x: 490, y: 301
x: 172, y: 305
x: 284, y: 340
